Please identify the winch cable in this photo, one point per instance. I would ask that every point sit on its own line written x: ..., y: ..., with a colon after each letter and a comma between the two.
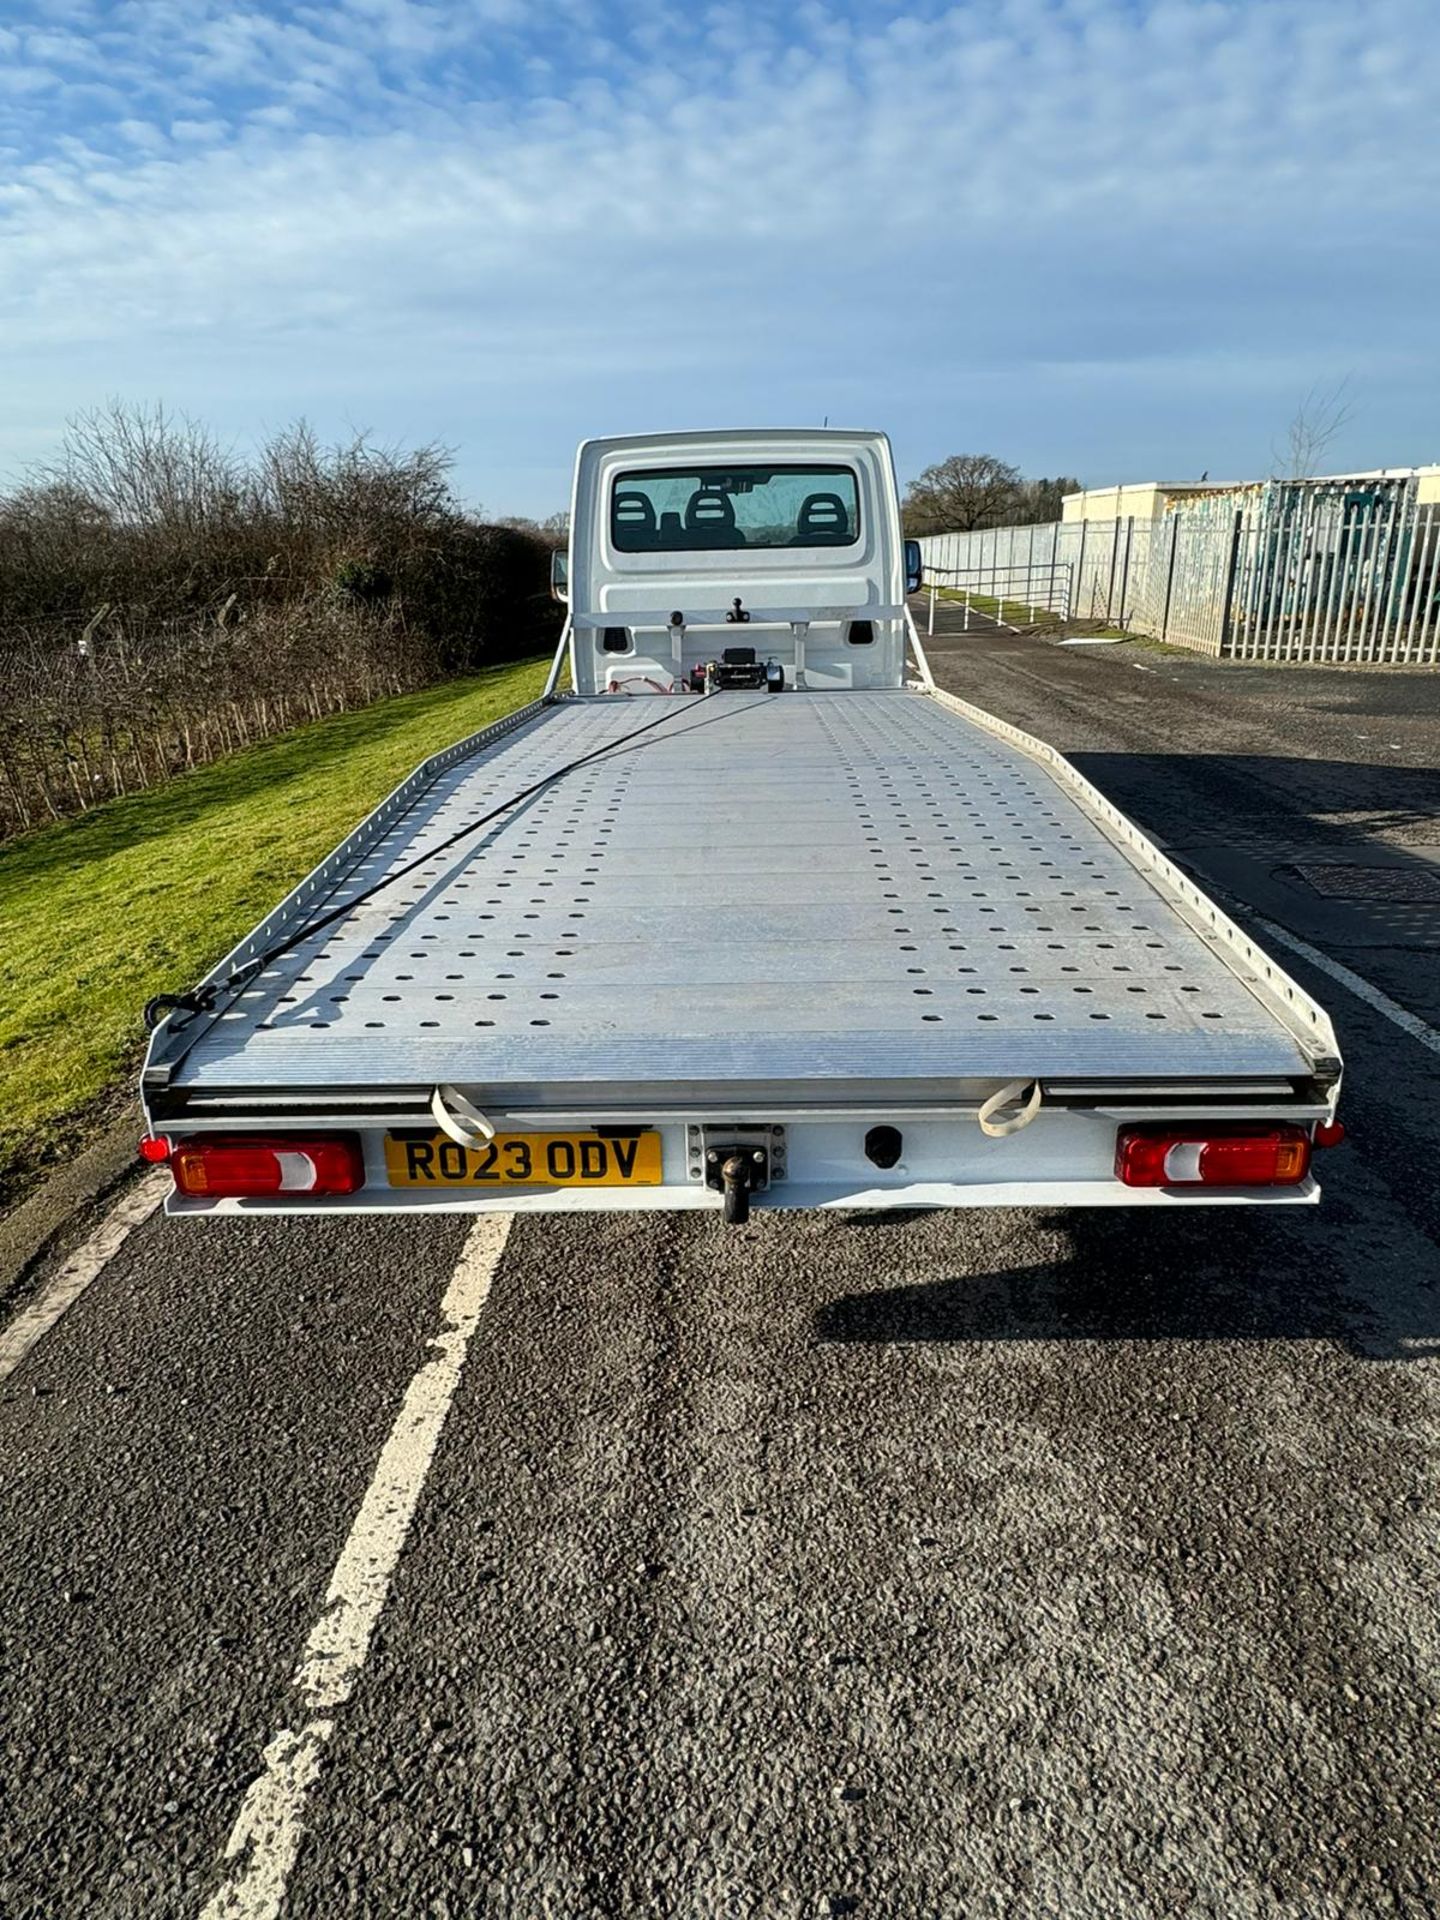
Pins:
x: 203, y: 999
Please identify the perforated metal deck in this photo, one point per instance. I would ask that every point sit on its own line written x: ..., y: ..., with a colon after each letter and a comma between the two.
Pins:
x: 821, y: 889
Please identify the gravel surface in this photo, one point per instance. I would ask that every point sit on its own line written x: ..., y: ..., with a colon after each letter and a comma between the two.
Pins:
x: 1014, y: 1564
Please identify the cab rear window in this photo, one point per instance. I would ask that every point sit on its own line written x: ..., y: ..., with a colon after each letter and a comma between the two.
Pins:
x: 698, y: 509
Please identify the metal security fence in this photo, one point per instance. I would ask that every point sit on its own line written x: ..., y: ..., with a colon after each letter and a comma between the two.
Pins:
x: 1322, y: 571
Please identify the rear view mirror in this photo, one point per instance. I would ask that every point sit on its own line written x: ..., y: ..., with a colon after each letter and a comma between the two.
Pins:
x: 914, y: 567
x: 560, y: 577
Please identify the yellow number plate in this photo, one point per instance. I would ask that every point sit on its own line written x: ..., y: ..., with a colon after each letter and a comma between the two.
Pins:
x: 525, y: 1160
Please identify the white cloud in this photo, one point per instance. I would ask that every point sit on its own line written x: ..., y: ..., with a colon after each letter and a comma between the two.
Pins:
x: 386, y: 206
x: 19, y: 80
x: 140, y: 133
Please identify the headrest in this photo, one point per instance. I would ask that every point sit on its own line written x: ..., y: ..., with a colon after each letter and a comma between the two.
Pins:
x: 823, y: 513
x: 710, y: 508
x: 635, y: 510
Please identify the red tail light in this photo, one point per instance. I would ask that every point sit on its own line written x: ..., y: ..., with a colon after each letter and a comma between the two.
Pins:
x: 246, y: 1166
x: 1212, y: 1156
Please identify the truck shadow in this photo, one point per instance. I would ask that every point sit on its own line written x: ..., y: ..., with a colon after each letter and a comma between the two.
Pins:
x: 1339, y: 851
x: 1237, y: 1274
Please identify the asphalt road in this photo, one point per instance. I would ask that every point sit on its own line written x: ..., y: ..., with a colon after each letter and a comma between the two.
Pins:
x: 994, y: 1564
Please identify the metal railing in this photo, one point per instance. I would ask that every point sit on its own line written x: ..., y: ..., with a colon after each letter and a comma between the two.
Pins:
x: 1332, y: 572
x: 1000, y: 591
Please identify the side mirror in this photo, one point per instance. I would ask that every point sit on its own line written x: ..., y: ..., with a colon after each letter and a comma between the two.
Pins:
x: 914, y: 567
x: 560, y: 577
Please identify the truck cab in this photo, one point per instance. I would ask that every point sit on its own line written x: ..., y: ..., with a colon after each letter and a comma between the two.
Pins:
x: 785, y: 543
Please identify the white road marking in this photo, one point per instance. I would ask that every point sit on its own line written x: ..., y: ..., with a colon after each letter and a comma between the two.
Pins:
x: 266, y: 1837
x: 83, y: 1266
x: 1408, y: 1022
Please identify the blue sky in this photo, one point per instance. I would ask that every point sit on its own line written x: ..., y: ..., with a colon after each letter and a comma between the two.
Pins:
x: 1119, y: 238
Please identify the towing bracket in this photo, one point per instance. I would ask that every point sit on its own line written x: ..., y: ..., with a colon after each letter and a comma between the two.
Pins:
x: 736, y: 1162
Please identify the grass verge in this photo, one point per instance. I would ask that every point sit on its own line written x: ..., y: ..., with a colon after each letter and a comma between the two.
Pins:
x: 1152, y: 645
x: 1019, y: 613
x: 144, y: 895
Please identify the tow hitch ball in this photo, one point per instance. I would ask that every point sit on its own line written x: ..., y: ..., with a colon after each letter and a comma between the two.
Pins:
x: 735, y: 1173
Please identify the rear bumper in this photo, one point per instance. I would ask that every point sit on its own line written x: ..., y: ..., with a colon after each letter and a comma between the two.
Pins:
x: 690, y: 1200
x: 1064, y: 1158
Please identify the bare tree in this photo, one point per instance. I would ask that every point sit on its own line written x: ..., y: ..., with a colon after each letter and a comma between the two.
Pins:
x: 142, y: 466
x: 554, y: 529
x: 967, y: 490
x: 1321, y: 416
x: 1041, y: 501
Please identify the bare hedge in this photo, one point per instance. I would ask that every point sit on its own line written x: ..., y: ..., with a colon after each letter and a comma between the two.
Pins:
x: 164, y: 601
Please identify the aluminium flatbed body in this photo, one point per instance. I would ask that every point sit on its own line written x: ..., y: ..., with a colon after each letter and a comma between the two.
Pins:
x: 806, y: 910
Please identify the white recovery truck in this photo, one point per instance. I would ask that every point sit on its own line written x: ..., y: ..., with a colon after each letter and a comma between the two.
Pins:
x: 751, y: 914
